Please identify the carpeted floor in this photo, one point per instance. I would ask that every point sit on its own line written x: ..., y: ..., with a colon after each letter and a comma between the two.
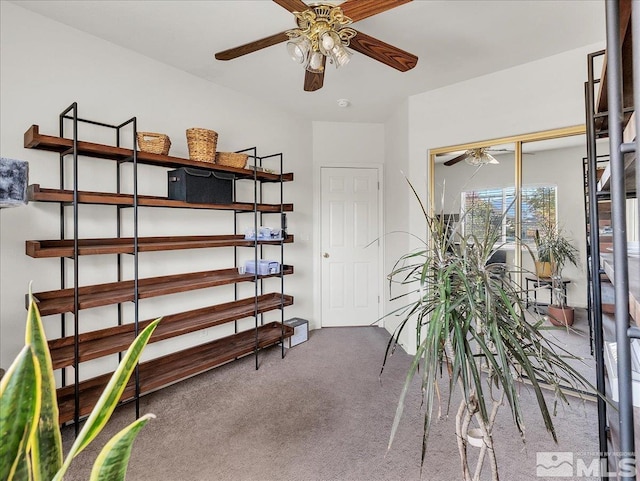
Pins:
x: 321, y: 413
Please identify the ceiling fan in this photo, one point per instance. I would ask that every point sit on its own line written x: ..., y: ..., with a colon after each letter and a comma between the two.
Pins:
x: 479, y: 156
x: 323, y: 32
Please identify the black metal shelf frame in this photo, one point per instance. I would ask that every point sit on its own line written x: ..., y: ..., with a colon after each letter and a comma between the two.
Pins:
x: 618, y: 196
x: 258, y: 249
x: 71, y: 114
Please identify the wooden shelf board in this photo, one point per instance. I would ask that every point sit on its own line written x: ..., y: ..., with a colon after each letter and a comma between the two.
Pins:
x: 34, y: 140
x: 104, y: 342
x: 64, y: 248
x: 627, y: 74
x: 172, y: 368
x: 630, y: 163
x: 37, y: 194
x: 62, y: 300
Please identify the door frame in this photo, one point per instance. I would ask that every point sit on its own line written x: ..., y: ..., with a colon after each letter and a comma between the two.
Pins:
x: 317, y: 233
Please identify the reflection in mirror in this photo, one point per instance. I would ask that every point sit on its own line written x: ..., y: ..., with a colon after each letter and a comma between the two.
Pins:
x: 550, y: 179
x: 553, y: 192
x: 470, y: 184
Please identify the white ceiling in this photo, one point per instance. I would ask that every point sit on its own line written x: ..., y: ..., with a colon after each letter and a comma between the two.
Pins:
x: 455, y: 40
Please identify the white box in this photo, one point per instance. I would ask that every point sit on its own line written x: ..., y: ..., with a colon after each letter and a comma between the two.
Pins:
x: 610, y: 360
x: 300, y: 332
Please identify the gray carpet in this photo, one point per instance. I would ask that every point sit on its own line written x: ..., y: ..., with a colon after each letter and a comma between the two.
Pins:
x: 319, y: 414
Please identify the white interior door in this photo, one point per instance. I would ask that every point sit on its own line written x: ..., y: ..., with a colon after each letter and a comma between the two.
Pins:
x: 350, y: 263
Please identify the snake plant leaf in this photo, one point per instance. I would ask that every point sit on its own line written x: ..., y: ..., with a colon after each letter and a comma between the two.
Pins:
x: 111, y: 464
x: 19, y: 410
x: 46, y: 445
x: 109, y: 398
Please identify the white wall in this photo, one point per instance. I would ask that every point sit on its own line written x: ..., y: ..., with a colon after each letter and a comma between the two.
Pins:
x: 347, y: 144
x: 46, y: 66
x: 397, y: 229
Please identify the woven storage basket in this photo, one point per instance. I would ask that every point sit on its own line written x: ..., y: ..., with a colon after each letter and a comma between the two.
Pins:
x: 154, y: 143
x: 232, y: 159
x: 202, y: 144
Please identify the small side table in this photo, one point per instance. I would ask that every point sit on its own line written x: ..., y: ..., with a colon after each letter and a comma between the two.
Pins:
x: 545, y: 282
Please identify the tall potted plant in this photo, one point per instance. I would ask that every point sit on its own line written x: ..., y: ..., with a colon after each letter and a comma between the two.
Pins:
x: 470, y: 323
x: 558, y: 248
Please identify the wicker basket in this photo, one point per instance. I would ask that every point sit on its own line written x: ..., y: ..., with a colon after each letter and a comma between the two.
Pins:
x: 154, y: 143
x: 202, y: 144
x: 232, y: 159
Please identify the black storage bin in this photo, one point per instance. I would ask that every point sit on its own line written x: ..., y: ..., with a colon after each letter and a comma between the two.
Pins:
x: 199, y: 186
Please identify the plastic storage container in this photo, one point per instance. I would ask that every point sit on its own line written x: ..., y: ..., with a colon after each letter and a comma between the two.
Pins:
x: 265, y: 267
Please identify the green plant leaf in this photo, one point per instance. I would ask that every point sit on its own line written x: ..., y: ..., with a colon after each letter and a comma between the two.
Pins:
x: 111, y: 464
x: 470, y: 322
x: 109, y: 398
x: 46, y: 445
x: 19, y: 410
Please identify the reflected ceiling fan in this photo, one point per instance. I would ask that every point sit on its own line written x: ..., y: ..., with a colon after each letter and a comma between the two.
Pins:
x: 323, y: 32
x: 479, y: 156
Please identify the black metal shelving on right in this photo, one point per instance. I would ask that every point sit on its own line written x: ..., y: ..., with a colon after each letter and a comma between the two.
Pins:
x: 610, y: 105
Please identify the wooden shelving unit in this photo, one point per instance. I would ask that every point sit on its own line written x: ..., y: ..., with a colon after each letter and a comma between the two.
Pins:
x: 36, y: 193
x: 34, y: 140
x: 116, y: 339
x: 62, y: 300
x: 124, y: 245
x: 73, y: 348
x: 178, y: 366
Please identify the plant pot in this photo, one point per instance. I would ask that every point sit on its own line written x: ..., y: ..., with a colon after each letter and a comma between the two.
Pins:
x: 560, y: 316
x: 475, y: 437
x: 544, y: 269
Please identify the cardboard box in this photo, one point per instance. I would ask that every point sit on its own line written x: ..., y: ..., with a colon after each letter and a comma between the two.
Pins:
x: 300, y: 332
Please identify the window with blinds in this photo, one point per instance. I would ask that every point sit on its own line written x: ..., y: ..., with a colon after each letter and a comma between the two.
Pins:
x: 498, y: 206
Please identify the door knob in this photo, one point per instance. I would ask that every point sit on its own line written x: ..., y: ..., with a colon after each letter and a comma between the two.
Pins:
x: 325, y: 255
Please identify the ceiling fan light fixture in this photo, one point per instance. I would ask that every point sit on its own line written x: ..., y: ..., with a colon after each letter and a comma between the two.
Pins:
x: 298, y: 49
x: 340, y: 56
x: 480, y: 156
x: 328, y: 40
x: 315, y: 63
x: 322, y: 32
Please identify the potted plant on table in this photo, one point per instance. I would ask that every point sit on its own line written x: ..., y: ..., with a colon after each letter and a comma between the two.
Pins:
x: 543, y: 261
x: 472, y: 324
x: 553, y: 245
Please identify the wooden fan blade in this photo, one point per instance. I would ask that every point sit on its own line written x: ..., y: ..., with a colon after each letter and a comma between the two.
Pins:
x: 457, y: 159
x: 314, y: 81
x: 252, y: 46
x: 293, y: 5
x: 383, y: 52
x: 360, y: 9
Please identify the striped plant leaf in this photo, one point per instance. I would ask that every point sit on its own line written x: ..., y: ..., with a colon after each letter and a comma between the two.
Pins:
x: 111, y: 464
x: 109, y: 398
x: 46, y: 444
x: 19, y: 410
